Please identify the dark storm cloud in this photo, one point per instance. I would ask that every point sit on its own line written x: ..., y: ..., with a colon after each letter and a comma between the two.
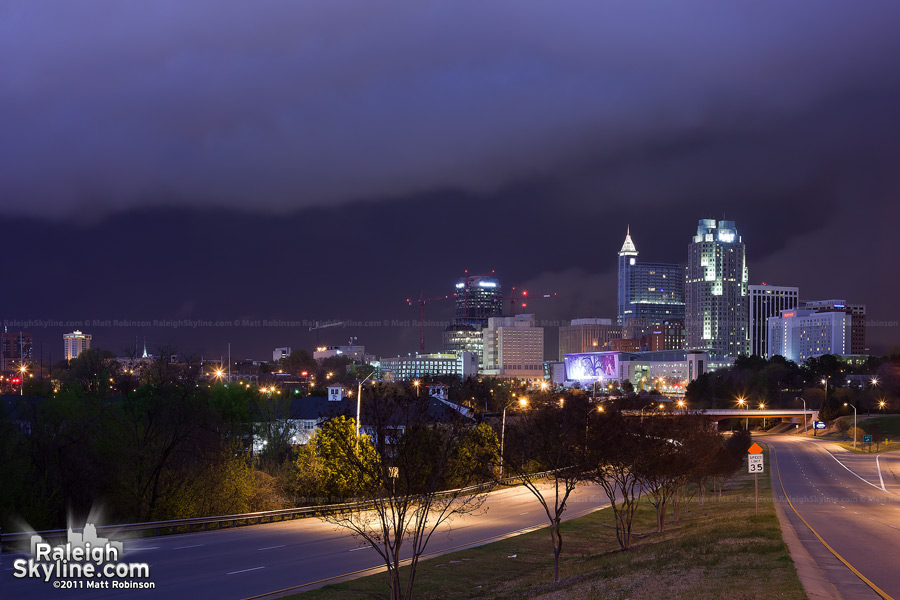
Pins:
x: 280, y: 105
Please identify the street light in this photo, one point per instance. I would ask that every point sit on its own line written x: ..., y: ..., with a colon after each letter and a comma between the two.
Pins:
x: 681, y: 404
x: 642, y: 410
x: 417, y: 383
x: 762, y: 406
x: 854, y: 423
x: 523, y: 402
x: 22, y: 369
x: 804, y: 414
x: 743, y: 404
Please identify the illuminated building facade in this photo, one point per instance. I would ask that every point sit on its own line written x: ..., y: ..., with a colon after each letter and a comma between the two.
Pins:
x: 857, y: 323
x: 75, y: 343
x: 513, y: 347
x: 407, y: 368
x: 651, y: 291
x: 800, y: 334
x: 716, y: 290
x: 586, y: 335
x: 767, y: 301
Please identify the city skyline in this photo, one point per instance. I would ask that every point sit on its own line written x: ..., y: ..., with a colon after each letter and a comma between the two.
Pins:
x: 269, y: 333
x: 268, y: 165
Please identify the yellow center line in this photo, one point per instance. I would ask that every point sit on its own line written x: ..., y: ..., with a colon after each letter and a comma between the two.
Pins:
x: 874, y: 587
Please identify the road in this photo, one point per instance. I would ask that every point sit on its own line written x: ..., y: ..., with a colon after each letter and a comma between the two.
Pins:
x: 249, y: 561
x: 851, y: 501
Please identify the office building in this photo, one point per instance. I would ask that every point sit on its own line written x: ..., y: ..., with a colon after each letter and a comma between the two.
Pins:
x: 75, y: 343
x: 857, y: 323
x: 651, y: 291
x: 478, y: 298
x: 715, y: 291
x: 668, y: 336
x: 15, y: 350
x: 767, y: 301
x: 407, y: 368
x: 586, y: 335
x: 800, y: 334
x: 513, y: 347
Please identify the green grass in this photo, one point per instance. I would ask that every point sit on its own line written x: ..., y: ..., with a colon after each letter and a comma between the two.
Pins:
x: 888, y: 428
x: 721, y: 549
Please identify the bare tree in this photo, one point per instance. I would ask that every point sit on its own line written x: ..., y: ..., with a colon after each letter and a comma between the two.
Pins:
x: 413, y: 473
x: 614, y: 462
x: 546, y: 448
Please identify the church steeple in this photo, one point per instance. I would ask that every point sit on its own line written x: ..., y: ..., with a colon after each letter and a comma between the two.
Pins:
x: 628, y: 247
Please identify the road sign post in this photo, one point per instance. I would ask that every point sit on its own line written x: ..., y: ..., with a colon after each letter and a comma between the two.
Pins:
x: 756, y: 466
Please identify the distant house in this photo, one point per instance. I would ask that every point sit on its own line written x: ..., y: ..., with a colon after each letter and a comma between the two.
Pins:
x: 302, y: 417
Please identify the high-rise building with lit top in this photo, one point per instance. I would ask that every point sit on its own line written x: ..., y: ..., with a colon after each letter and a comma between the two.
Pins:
x: 75, y: 343
x: 857, y: 313
x: 716, y: 289
x: 652, y: 291
x: 478, y: 298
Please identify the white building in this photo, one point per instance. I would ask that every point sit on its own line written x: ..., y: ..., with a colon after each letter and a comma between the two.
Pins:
x: 513, y: 347
x: 75, y: 343
x: 279, y: 353
x: 800, y: 334
x: 407, y: 368
x: 355, y: 353
x: 768, y: 301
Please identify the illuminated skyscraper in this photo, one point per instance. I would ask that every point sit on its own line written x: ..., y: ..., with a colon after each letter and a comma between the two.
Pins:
x: 652, y: 291
x: 478, y: 298
x: 715, y: 287
x: 75, y: 343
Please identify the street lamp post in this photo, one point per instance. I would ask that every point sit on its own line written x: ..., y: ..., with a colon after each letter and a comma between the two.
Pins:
x: 359, y: 405
x: 743, y: 404
x: 417, y: 383
x: 642, y: 410
x: 22, y: 371
x: 804, y: 414
x: 854, y: 423
x: 523, y: 402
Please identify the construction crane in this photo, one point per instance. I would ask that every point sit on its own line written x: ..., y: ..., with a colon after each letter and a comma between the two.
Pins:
x: 317, y: 326
x: 421, y: 300
x: 523, y: 297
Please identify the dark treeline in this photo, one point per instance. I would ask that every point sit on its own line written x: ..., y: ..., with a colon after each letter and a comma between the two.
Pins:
x: 780, y: 383
x: 166, y: 446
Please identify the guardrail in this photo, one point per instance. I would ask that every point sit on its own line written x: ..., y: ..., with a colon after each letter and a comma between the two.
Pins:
x: 175, y: 526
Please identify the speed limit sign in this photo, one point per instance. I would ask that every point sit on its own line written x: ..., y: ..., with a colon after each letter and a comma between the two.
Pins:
x: 755, y: 463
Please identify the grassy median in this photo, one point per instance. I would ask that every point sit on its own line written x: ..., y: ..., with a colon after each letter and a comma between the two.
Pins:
x: 719, y: 550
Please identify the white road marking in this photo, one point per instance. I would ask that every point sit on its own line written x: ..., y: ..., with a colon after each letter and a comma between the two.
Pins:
x: 524, y: 513
x: 149, y: 548
x: 848, y: 469
x: 272, y: 547
x: 880, y: 478
x: 245, y: 570
x: 183, y: 547
x: 360, y: 548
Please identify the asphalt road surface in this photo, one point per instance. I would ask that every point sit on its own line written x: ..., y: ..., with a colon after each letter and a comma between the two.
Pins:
x: 250, y: 561
x: 851, y: 501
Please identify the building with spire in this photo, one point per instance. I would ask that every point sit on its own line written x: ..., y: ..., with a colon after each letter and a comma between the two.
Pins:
x: 716, y: 291
x: 651, y: 291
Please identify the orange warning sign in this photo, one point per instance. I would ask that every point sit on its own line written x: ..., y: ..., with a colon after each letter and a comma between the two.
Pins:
x: 754, y: 449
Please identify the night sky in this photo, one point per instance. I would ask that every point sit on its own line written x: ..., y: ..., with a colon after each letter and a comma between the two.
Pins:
x: 223, y: 160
